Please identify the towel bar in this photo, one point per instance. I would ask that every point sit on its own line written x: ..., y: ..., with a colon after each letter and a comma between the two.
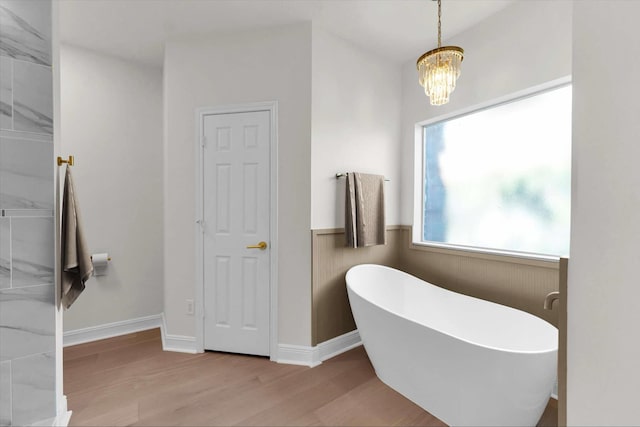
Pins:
x: 343, y: 175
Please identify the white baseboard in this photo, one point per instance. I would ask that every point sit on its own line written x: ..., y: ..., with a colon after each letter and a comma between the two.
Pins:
x: 110, y: 330
x: 289, y: 354
x: 177, y: 343
x: 298, y: 355
x: 314, y: 356
x: 339, y: 345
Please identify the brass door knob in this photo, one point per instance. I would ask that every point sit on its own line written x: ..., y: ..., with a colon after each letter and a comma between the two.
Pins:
x: 262, y: 246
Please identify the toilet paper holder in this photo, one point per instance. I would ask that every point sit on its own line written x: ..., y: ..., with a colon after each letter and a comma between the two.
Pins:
x: 100, y: 263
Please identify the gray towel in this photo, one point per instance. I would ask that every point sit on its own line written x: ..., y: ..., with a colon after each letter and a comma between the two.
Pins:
x: 76, y: 259
x: 364, y: 214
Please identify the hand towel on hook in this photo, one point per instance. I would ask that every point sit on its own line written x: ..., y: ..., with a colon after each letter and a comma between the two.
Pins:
x: 76, y: 258
x: 364, y: 213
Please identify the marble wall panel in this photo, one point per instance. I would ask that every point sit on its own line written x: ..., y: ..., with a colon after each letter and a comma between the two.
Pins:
x: 32, y: 98
x: 25, y: 30
x: 5, y: 252
x: 33, y: 389
x: 32, y: 251
x: 6, y: 93
x: 27, y: 323
x: 26, y: 173
x: 27, y: 293
x: 5, y: 393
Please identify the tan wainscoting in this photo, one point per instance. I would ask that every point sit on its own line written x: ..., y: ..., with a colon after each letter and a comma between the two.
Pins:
x: 515, y: 282
x: 331, y: 312
x: 562, y: 350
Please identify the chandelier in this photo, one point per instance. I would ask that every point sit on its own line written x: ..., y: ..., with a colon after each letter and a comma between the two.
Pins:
x: 439, y: 68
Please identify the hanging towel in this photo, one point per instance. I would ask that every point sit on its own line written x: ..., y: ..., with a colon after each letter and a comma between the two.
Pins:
x: 76, y: 259
x: 364, y: 213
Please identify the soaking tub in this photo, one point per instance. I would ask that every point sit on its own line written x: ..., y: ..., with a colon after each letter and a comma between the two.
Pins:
x: 465, y: 360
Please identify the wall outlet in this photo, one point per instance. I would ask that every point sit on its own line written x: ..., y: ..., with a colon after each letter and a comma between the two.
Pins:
x: 190, y: 306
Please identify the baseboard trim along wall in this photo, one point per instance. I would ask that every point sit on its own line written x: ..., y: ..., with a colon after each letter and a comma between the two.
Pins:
x: 314, y: 356
x: 110, y: 330
x: 288, y: 354
x: 339, y: 345
x: 177, y: 343
x: 298, y: 355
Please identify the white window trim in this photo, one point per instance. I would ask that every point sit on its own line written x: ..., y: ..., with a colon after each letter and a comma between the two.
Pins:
x: 418, y: 176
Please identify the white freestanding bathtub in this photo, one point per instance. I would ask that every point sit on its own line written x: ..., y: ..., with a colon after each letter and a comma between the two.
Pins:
x: 465, y: 360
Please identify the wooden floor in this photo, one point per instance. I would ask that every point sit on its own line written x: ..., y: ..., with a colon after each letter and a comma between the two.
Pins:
x: 129, y: 380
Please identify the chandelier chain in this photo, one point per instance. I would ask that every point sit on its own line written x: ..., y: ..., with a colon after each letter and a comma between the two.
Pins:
x: 439, y: 24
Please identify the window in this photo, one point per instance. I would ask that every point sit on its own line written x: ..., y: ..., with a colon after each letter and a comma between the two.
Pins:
x: 499, y: 178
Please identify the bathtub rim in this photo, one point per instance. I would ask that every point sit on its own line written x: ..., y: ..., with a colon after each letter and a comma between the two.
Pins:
x: 488, y: 347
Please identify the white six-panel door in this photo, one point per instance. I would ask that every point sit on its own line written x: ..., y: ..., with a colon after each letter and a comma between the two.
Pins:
x: 236, y: 209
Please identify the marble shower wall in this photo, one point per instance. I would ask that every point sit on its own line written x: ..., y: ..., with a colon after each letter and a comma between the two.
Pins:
x: 27, y: 298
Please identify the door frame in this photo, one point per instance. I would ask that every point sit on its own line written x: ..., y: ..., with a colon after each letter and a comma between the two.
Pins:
x: 272, y: 108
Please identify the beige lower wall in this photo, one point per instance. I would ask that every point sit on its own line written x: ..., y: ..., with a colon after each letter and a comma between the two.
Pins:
x: 331, y: 313
x: 515, y: 282
x: 562, y: 344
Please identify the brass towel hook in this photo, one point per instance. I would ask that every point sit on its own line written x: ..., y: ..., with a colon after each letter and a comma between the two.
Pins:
x: 69, y: 161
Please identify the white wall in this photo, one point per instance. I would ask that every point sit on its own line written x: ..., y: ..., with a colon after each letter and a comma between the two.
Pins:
x: 111, y: 120
x: 267, y: 65
x: 522, y: 46
x: 604, y: 290
x: 356, y: 101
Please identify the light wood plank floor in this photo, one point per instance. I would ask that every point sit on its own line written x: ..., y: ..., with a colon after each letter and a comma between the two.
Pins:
x: 129, y: 380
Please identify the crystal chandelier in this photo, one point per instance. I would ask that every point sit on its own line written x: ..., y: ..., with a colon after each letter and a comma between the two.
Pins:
x: 439, y: 68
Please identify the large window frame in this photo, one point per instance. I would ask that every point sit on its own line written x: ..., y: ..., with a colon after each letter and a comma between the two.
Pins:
x: 419, y: 179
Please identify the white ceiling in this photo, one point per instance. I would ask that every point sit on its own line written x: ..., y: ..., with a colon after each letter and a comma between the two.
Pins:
x: 399, y: 30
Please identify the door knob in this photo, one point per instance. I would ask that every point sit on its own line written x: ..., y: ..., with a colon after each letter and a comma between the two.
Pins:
x: 262, y: 246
